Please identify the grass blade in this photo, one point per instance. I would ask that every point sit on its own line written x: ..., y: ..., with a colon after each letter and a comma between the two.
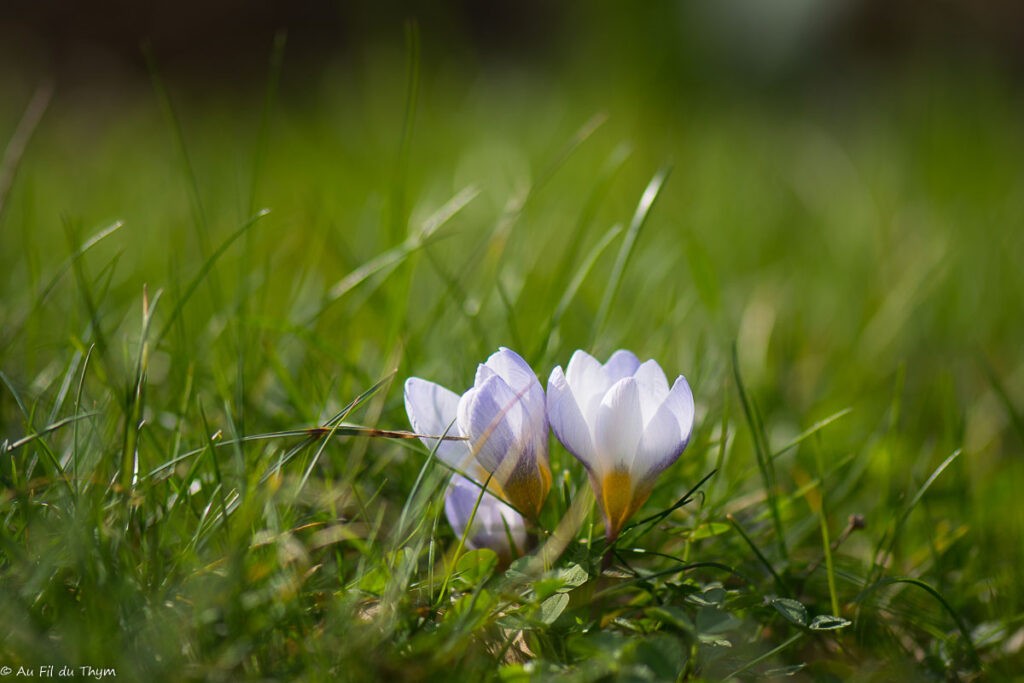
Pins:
x: 203, y: 272
x: 643, y: 210
x: 18, y: 143
x: 764, y: 463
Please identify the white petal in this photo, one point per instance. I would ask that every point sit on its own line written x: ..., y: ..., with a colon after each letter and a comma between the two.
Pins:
x: 680, y: 401
x: 621, y: 364
x: 431, y: 409
x: 589, y: 383
x: 667, y: 434
x: 659, y: 447
x: 619, y: 427
x: 567, y: 420
x: 585, y: 375
x: 653, y: 388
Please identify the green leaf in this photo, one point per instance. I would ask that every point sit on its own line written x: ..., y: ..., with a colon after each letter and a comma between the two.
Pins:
x: 375, y: 580
x: 573, y: 576
x: 553, y: 607
x: 672, y: 616
x: 475, y: 567
x: 827, y: 622
x: 560, y: 581
x: 660, y: 654
x: 712, y: 621
x: 711, y: 597
x: 791, y: 609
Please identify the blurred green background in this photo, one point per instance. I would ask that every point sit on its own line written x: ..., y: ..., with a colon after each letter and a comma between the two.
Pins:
x: 844, y: 205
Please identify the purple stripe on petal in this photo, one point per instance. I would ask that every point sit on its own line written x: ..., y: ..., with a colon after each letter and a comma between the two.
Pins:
x: 492, y: 417
x: 521, y: 379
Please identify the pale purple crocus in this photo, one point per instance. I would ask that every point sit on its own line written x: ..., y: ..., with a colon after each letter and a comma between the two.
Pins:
x: 495, y: 525
x: 623, y: 422
x: 504, y: 418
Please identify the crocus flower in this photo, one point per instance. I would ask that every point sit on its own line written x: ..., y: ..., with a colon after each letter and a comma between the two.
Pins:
x: 495, y: 525
x: 623, y: 423
x: 505, y: 419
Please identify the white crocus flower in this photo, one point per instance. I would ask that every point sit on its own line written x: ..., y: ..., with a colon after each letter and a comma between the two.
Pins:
x: 495, y: 525
x: 505, y: 421
x: 623, y: 422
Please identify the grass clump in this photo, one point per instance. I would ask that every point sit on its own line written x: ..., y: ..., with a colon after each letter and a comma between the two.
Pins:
x: 190, y: 490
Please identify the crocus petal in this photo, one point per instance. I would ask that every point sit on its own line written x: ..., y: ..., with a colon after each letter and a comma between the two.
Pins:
x: 653, y: 385
x: 521, y: 379
x: 490, y: 415
x: 583, y: 370
x: 432, y: 409
x: 567, y: 419
x: 511, y: 367
x: 619, y: 427
x: 621, y: 364
x: 660, y: 445
x: 667, y: 434
x: 493, y: 523
x: 623, y: 423
x: 680, y: 401
x: 589, y: 383
x: 507, y: 443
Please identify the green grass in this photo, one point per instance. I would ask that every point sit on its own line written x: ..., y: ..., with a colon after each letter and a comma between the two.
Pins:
x: 838, y: 277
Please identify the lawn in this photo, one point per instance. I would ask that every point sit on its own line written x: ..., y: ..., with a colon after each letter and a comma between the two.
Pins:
x: 209, y: 299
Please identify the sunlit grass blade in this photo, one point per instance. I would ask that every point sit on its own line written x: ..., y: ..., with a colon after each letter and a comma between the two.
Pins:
x: 85, y: 290
x: 399, y: 214
x: 494, y: 243
x: 200, y: 222
x: 643, y: 210
x: 767, y: 655
x: 135, y: 398
x: 390, y: 259
x: 811, y: 431
x: 202, y: 274
x: 16, y: 146
x: 761, y: 452
x: 9, y: 447
x: 574, y: 286
x: 887, y: 543
x: 44, y: 293
x: 269, y: 100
